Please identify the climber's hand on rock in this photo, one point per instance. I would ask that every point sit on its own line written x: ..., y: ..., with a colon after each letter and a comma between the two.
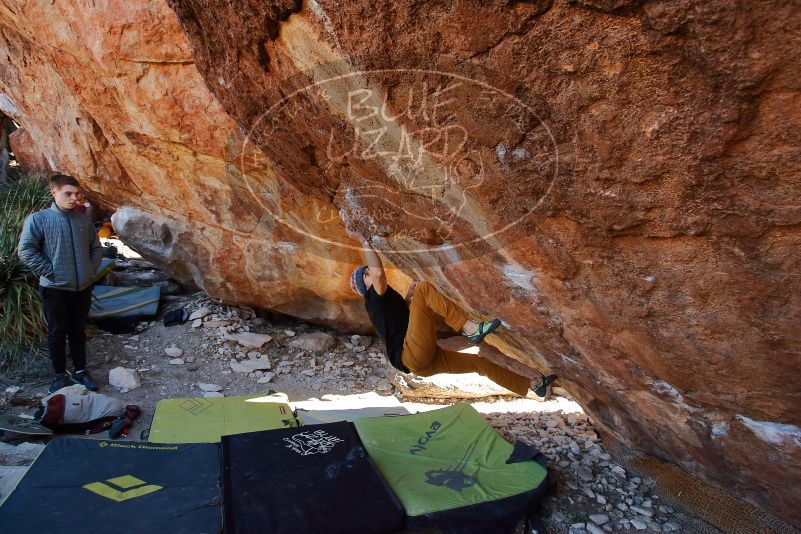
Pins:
x: 410, y: 291
x: 355, y: 234
x: 349, y: 227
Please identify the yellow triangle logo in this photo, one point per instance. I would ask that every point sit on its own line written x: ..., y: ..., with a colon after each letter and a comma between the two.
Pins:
x: 129, y: 486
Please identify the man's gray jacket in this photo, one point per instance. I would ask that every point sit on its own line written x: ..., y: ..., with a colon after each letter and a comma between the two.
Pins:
x: 62, y: 247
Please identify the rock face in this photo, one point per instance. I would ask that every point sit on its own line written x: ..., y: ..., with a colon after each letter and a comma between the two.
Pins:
x: 27, y: 152
x: 617, y: 180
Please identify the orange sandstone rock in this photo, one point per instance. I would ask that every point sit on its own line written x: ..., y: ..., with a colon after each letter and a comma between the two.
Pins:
x: 617, y: 180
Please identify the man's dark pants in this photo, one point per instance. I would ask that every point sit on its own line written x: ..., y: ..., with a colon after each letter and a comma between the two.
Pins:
x: 66, y: 313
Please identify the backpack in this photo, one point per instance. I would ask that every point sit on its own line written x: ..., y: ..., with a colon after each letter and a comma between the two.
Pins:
x: 67, y: 412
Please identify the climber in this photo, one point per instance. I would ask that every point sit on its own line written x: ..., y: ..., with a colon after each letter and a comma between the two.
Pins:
x: 408, y: 328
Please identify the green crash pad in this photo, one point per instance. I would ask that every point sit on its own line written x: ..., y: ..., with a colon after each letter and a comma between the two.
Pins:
x: 202, y: 420
x: 448, y: 459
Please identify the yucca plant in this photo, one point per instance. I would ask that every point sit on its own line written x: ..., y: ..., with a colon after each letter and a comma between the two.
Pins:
x: 22, y: 325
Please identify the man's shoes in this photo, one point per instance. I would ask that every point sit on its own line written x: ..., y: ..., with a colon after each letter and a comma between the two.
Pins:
x: 83, y: 378
x: 482, y: 329
x: 540, y: 387
x: 60, y: 381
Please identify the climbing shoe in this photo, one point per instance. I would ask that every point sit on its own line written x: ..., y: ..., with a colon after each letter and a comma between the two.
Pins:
x: 540, y: 387
x: 60, y: 381
x: 83, y: 378
x: 482, y: 329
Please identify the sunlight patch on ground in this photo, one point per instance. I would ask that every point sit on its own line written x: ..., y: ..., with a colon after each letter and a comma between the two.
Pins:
x: 556, y: 404
x: 371, y: 404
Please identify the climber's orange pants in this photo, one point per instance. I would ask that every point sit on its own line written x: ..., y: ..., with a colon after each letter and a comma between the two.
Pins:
x: 424, y: 357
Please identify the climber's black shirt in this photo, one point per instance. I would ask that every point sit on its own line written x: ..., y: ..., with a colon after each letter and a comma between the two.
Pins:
x: 390, y: 317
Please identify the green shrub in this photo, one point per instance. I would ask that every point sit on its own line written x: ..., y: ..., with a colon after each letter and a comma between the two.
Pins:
x: 22, y: 325
x: 577, y: 517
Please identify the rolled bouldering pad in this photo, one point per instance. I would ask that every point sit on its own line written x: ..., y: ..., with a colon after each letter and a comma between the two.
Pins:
x: 116, y: 302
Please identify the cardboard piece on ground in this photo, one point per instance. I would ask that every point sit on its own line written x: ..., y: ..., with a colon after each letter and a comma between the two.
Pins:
x: 21, y: 426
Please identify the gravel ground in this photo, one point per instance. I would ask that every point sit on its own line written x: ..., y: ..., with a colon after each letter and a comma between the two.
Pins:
x: 231, y: 351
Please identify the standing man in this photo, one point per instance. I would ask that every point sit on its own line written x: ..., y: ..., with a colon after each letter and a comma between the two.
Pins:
x: 61, y: 246
x: 408, y: 328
